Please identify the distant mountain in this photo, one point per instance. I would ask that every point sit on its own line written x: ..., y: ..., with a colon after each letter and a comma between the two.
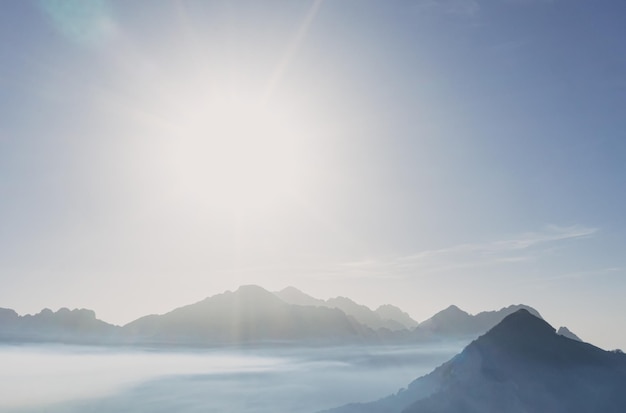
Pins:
x: 564, y: 331
x: 390, y: 312
x: 364, y: 314
x: 72, y: 326
x: 386, y: 318
x: 454, y: 322
x: 521, y: 365
x: 254, y: 315
x: 292, y: 295
x: 249, y: 315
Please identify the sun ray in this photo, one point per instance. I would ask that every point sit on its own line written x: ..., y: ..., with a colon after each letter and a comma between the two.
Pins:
x: 292, y: 49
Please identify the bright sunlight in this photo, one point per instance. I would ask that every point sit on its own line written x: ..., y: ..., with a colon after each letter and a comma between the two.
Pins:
x: 236, y: 154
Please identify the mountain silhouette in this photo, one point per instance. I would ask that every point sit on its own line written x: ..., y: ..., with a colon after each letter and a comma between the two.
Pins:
x: 292, y: 295
x: 454, y: 322
x: 393, y: 313
x: 252, y: 314
x: 565, y: 332
x: 249, y: 314
x: 76, y: 326
x: 389, y: 317
x: 364, y: 314
x: 521, y: 365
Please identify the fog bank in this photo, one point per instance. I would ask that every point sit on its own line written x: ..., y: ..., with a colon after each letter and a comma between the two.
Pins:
x: 79, y: 379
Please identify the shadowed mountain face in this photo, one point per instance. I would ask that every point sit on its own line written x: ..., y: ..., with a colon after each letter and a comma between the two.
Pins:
x: 519, y: 366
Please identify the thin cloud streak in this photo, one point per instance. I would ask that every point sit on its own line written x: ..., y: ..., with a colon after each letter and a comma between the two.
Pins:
x: 526, y: 247
x: 524, y: 241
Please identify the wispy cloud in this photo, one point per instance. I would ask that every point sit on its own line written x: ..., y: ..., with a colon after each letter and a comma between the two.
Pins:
x: 522, y: 248
x: 516, y: 250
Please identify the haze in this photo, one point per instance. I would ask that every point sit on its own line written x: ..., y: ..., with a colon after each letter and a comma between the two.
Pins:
x: 418, y: 153
x: 76, y: 379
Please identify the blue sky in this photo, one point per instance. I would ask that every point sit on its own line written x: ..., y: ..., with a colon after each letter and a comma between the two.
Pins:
x: 415, y: 152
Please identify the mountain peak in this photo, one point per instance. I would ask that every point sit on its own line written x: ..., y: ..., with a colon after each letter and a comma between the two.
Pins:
x: 292, y: 295
x: 515, y: 307
x: 451, y: 312
x: 290, y: 289
x: 520, y: 365
x: 255, y: 296
x: 453, y: 308
x: 531, y: 338
x: 565, y: 332
x: 7, y: 312
x: 522, y: 324
x: 342, y: 300
x: 391, y: 312
x: 251, y: 288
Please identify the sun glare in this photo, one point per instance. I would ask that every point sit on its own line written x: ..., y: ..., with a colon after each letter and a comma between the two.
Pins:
x: 236, y: 154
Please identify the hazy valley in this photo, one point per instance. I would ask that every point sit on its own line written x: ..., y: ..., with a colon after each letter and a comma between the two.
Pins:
x: 252, y: 350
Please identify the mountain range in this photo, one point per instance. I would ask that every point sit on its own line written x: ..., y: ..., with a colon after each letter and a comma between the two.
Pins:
x: 252, y: 314
x: 455, y: 322
x: 521, y: 365
x: 64, y: 325
x: 386, y: 316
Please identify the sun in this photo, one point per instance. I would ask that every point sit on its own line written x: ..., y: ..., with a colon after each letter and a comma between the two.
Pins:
x: 237, y: 155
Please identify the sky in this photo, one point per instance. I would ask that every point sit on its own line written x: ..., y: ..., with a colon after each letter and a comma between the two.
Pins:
x: 421, y: 153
